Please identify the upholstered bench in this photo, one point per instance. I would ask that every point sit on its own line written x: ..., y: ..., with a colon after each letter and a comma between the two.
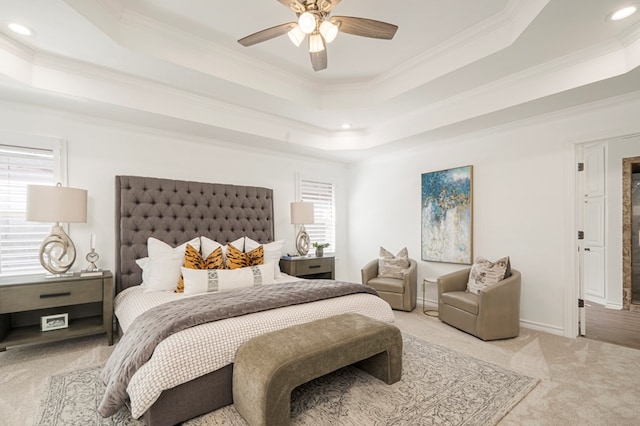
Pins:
x: 268, y: 367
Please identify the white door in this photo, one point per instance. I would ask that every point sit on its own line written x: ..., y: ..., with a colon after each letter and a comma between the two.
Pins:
x: 594, y: 275
x: 592, y: 220
x: 594, y: 250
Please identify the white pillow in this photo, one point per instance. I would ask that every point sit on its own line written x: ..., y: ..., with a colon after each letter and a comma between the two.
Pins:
x: 272, y: 252
x: 209, y: 245
x: 390, y: 266
x: 485, y: 273
x: 161, y: 269
x: 203, y: 281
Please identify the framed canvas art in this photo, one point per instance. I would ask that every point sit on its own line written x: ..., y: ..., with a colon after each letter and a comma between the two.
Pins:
x: 447, y: 215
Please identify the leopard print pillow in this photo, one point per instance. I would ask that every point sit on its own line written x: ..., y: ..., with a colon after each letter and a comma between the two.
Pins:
x: 238, y: 259
x: 193, y: 260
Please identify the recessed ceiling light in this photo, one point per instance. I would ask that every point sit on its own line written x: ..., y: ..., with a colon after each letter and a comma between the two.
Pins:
x: 346, y: 126
x: 622, y: 13
x: 20, y: 29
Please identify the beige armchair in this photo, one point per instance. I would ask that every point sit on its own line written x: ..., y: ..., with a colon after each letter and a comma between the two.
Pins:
x: 493, y: 314
x: 401, y: 294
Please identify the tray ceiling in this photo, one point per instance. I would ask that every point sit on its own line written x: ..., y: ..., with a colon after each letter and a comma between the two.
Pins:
x: 453, y: 67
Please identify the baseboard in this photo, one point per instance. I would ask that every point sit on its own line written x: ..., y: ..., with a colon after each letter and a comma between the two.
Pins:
x: 558, y: 331
x: 616, y: 306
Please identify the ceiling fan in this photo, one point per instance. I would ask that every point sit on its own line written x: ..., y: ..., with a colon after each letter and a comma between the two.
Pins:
x: 314, y: 20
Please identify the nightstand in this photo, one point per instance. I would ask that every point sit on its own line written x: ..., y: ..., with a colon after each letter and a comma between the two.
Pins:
x: 309, y: 267
x: 24, y: 300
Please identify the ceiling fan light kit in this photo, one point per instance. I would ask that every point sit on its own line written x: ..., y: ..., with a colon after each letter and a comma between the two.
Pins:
x: 316, y: 43
x: 307, y: 22
x: 313, y: 19
x: 329, y: 31
x: 296, y: 35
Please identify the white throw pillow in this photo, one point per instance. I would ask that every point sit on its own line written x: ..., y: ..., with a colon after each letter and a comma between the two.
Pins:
x: 390, y: 266
x: 272, y: 252
x: 209, y: 245
x: 161, y: 269
x: 484, y: 273
x: 203, y: 281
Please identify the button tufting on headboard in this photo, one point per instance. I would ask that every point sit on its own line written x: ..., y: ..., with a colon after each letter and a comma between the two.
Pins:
x: 176, y: 211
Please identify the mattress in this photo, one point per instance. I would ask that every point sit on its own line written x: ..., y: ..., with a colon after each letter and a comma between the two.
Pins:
x: 197, y: 351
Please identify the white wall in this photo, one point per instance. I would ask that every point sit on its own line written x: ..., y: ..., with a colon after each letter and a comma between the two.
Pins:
x: 100, y: 150
x: 524, y: 203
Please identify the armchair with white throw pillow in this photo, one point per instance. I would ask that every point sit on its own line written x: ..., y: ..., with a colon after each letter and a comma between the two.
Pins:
x: 480, y: 301
x: 395, y: 278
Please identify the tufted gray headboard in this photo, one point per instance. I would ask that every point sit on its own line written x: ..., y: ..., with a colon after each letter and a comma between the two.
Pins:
x: 176, y: 211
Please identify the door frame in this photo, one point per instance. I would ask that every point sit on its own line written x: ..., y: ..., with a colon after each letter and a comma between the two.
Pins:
x: 579, y: 218
x: 627, y: 172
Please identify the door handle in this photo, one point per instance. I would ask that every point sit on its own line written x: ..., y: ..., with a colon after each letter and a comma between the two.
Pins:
x: 587, y: 249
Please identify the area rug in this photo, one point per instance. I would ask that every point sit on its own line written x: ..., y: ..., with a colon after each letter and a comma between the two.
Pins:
x: 439, y: 386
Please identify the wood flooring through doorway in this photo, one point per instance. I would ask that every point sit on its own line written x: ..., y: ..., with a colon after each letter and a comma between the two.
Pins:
x: 613, y: 326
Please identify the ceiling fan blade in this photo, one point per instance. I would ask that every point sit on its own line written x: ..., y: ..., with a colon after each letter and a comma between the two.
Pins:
x: 294, y: 5
x: 319, y: 60
x: 267, y: 34
x: 327, y: 5
x: 365, y: 27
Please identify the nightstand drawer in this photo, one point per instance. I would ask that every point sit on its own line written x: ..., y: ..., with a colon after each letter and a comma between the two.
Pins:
x: 314, y: 266
x: 24, y: 298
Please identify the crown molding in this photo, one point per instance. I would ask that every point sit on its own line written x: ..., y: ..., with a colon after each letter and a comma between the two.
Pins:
x: 16, y: 60
x: 600, y: 62
x: 192, y: 51
x: 492, y: 35
x: 81, y: 80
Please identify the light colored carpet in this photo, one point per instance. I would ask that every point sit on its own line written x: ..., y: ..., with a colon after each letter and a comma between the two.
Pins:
x: 439, y: 386
x: 582, y: 382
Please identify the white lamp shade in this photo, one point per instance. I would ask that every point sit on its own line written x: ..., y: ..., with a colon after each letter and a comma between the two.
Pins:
x: 329, y: 31
x: 302, y: 213
x: 296, y: 35
x: 316, y: 44
x: 307, y: 22
x: 56, y: 204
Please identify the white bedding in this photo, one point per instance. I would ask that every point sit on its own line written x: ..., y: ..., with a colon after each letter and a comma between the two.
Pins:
x: 188, y: 354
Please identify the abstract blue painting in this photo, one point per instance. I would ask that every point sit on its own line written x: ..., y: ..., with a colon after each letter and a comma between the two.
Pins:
x: 447, y: 215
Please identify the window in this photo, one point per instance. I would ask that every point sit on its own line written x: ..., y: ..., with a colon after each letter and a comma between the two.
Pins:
x: 323, y: 197
x: 20, y: 166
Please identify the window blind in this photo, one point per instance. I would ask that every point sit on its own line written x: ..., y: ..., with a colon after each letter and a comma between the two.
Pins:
x: 20, y: 240
x: 323, y: 197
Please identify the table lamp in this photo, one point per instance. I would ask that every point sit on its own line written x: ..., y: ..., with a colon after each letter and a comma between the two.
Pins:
x: 302, y: 214
x: 56, y: 204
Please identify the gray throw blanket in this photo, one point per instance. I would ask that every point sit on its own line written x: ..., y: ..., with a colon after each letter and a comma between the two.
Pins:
x: 137, y: 345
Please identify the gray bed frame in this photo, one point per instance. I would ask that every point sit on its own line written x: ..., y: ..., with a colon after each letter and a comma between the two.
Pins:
x: 176, y: 211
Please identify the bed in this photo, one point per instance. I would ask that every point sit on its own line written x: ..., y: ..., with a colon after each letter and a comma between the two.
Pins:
x: 175, y: 212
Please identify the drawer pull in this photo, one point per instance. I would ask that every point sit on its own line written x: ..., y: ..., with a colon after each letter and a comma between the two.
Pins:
x: 314, y: 266
x: 46, y: 296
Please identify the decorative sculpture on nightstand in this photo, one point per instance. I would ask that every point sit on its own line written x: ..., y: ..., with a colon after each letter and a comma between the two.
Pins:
x: 57, y: 252
x: 92, y: 258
